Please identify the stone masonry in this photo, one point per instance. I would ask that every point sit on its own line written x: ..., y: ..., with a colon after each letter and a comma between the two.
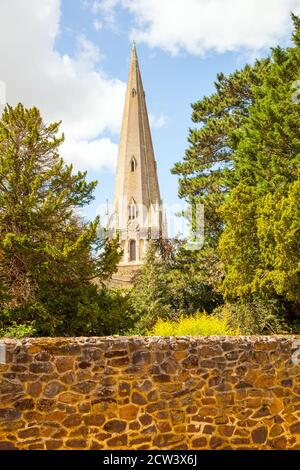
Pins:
x: 150, y: 393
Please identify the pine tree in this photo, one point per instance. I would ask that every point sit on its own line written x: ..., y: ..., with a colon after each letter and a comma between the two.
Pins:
x: 49, y: 255
x: 260, y: 245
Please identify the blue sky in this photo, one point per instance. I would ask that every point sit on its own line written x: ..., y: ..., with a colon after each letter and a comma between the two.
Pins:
x: 74, y: 57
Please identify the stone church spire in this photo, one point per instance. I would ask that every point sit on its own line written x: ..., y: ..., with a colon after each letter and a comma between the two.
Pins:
x: 137, y: 207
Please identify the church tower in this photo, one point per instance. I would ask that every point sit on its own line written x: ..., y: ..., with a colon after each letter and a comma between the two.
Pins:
x: 138, y: 214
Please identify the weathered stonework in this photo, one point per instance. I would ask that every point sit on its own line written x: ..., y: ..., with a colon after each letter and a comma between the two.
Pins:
x: 150, y: 393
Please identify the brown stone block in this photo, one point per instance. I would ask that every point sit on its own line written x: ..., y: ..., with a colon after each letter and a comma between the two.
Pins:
x: 149, y: 430
x: 67, y: 349
x: 215, y: 442
x: 164, y: 440
x: 242, y: 432
x: 101, y: 437
x: 208, y: 429
x: 69, y: 397
x: 118, y: 442
x: 199, y: 443
x: 23, y: 358
x: 116, y: 353
x: 83, y: 431
x: 162, y: 378
x: 45, y: 404
x: 275, y: 405
x: 134, y: 426
x: 63, y: 364
x: 68, y: 378
x: 54, y: 444
x: 265, y: 381
x: 4, y: 445
x: 24, y: 404
x: 164, y: 427
x: 178, y: 356
x: 177, y: 417
x: 141, y: 358
x: 30, y: 432
x: 128, y: 412
x: 34, y: 389
x: 56, y: 416
x: 160, y: 405
x: 259, y: 435
x: 240, y: 441
x: 276, y: 430
x: 138, y: 398
x: 226, y: 431
x: 295, y: 428
x: 145, y: 386
x: 206, y: 411
x: 18, y: 368
x: 96, y: 446
x: 72, y: 420
x: 76, y: 443
x: 84, y: 407
x: 140, y: 440
x: 33, y: 349
x: 279, y: 443
x: 84, y: 365
x: 153, y: 395
x: 53, y: 388
x: 222, y: 419
x: 8, y: 386
x: 146, y: 419
x: 41, y: 367
x: 43, y: 356
x: 115, y: 426
x: 84, y: 387
x: 94, y: 420
x: 119, y: 362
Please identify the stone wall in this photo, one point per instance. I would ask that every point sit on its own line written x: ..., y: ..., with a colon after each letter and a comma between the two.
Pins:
x: 150, y: 393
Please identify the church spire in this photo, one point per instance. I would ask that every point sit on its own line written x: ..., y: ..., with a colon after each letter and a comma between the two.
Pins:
x: 137, y: 201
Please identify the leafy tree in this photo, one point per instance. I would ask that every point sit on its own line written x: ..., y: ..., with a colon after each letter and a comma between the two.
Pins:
x: 209, y: 160
x: 170, y: 285
x: 260, y: 244
x: 150, y: 297
x: 50, y: 257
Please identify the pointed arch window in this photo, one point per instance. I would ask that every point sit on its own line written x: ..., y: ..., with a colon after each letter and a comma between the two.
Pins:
x: 132, y: 250
x: 133, y: 92
x: 133, y: 164
x: 132, y: 210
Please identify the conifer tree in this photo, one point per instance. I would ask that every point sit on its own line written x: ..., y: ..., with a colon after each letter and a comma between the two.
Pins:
x: 260, y: 245
x: 49, y: 255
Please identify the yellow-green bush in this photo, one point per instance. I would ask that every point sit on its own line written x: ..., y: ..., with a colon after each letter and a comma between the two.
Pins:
x: 199, y: 324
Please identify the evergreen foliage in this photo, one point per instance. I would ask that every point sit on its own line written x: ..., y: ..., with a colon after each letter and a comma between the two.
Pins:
x: 50, y: 257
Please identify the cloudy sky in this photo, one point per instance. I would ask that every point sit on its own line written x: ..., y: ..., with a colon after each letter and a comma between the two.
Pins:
x: 70, y: 58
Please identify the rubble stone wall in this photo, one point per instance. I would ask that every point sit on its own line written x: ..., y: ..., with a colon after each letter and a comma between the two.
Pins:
x: 150, y: 393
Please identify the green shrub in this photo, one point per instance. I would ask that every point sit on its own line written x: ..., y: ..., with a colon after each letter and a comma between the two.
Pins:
x: 18, y: 331
x: 200, y: 324
x: 255, y: 317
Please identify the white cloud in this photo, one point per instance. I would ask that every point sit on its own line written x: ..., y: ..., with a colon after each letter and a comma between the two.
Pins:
x: 157, y: 121
x: 201, y: 26
x: 82, y: 153
x: 97, y: 25
x: 71, y: 89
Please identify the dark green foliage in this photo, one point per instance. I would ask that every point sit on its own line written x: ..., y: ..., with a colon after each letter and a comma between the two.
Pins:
x: 170, y: 284
x: 243, y: 164
x: 50, y: 257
